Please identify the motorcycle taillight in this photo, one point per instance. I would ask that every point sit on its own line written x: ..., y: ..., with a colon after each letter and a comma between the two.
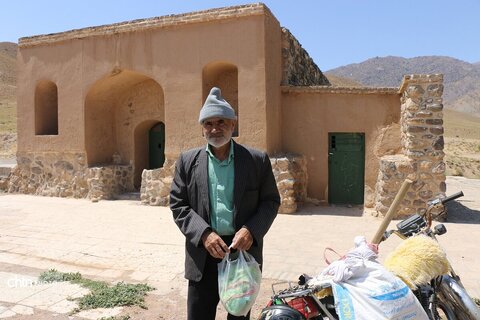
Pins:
x: 306, y: 306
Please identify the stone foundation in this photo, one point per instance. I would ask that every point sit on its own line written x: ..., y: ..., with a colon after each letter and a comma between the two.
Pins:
x: 290, y: 173
x: 392, y: 172
x: 155, y: 189
x: 66, y: 175
x: 422, y: 155
x: 44, y: 174
x: 108, y: 181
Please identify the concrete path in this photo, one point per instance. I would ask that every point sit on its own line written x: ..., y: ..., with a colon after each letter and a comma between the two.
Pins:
x: 124, y: 240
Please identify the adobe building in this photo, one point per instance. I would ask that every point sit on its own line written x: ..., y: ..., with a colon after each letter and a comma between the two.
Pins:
x: 107, y: 110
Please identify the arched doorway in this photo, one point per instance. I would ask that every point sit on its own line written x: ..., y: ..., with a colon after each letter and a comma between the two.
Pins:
x: 119, y: 109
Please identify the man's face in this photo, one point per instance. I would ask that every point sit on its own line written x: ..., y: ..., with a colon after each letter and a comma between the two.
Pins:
x: 218, y: 131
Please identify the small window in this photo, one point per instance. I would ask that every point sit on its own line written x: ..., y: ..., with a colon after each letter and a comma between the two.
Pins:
x: 46, y: 108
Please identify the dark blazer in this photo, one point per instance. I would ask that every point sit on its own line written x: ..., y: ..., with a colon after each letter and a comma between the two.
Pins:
x: 256, y: 201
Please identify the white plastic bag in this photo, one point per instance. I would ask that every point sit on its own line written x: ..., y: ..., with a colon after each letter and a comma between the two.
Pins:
x: 238, y: 282
x: 376, y: 294
x: 364, y: 290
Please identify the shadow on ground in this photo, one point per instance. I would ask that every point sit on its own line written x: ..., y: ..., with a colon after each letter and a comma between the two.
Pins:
x: 308, y: 209
x: 459, y: 213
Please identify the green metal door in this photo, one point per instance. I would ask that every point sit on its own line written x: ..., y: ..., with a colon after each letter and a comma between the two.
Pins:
x: 156, y: 149
x: 346, y: 168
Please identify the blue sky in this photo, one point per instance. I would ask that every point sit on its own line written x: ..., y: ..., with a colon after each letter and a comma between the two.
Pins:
x: 335, y: 32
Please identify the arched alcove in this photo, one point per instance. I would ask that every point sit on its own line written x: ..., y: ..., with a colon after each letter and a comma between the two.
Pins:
x: 46, y: 108
x: 116, y: 106
x: 223, y: 75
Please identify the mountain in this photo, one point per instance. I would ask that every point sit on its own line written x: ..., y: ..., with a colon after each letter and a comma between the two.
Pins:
x: 461, y: 79
x: 8, y: 74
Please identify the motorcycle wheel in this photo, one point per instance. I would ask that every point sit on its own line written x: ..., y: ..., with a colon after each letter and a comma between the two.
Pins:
x: 443, y: 311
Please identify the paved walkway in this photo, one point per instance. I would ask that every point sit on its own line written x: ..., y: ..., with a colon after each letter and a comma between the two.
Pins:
x: 124, y: 240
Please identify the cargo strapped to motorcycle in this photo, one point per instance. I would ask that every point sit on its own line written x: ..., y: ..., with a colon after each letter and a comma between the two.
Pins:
x: 330, y: 249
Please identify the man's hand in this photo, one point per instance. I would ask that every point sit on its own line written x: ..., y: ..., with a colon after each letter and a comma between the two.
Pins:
x: 243, y: 240
x: 214, y: 245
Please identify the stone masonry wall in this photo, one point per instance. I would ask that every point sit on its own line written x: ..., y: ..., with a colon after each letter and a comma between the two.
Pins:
x: 290, y: 173
x: 298, y: 67
x: 66, y: 175
x: 156, y: 183
x: 422, y: 140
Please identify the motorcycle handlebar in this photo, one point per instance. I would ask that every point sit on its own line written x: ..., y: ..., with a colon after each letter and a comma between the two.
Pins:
x: 452, y: 197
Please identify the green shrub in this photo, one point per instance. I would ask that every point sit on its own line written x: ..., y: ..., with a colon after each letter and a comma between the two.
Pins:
x: 102, y: 294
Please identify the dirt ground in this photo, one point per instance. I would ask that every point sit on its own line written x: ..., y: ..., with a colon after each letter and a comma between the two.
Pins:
x: 462, y: 159
x: 161, y: 307
x: 173, y: 305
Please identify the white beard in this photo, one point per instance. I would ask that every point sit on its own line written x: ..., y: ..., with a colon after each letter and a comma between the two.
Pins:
x: 218, y: 142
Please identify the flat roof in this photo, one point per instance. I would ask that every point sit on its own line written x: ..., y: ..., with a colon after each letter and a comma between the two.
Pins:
x: 345, y: 90
x: 149, y: 23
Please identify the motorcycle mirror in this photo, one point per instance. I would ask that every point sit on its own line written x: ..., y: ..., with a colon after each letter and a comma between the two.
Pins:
x: 387, y: 234
x: 439, y: 229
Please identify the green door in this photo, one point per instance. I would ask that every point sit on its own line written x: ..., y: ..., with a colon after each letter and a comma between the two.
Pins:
x: 346, y: 168
x: 156, y: 149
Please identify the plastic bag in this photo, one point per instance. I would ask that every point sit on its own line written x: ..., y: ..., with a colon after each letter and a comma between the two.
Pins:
x: 374, y: 293
x: 238, y: 282
x: 364, y: 290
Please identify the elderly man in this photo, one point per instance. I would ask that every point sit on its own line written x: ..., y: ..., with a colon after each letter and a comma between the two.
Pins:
x: 223, y: 196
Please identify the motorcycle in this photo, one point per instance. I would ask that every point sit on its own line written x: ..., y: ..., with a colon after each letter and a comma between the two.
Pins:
x: 442, y: 296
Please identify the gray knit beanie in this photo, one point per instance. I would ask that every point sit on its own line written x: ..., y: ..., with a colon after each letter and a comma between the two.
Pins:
x: 216, y: 106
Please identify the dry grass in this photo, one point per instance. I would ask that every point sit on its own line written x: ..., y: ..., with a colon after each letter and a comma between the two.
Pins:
x: 338, y: 81
x: 8, y: 128
x: 462, y: 144
x: 8, y: 116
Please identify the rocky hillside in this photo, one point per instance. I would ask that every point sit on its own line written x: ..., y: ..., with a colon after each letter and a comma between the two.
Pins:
x: 462, y: 79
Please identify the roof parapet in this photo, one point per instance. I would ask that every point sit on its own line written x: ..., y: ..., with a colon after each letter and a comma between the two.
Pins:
x: 173, y: 20
x: 344, y: 90
x: 419, y: 78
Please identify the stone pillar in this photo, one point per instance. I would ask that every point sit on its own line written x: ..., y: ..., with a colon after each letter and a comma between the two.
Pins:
x: 290, y: 173
x: 422, y: 142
